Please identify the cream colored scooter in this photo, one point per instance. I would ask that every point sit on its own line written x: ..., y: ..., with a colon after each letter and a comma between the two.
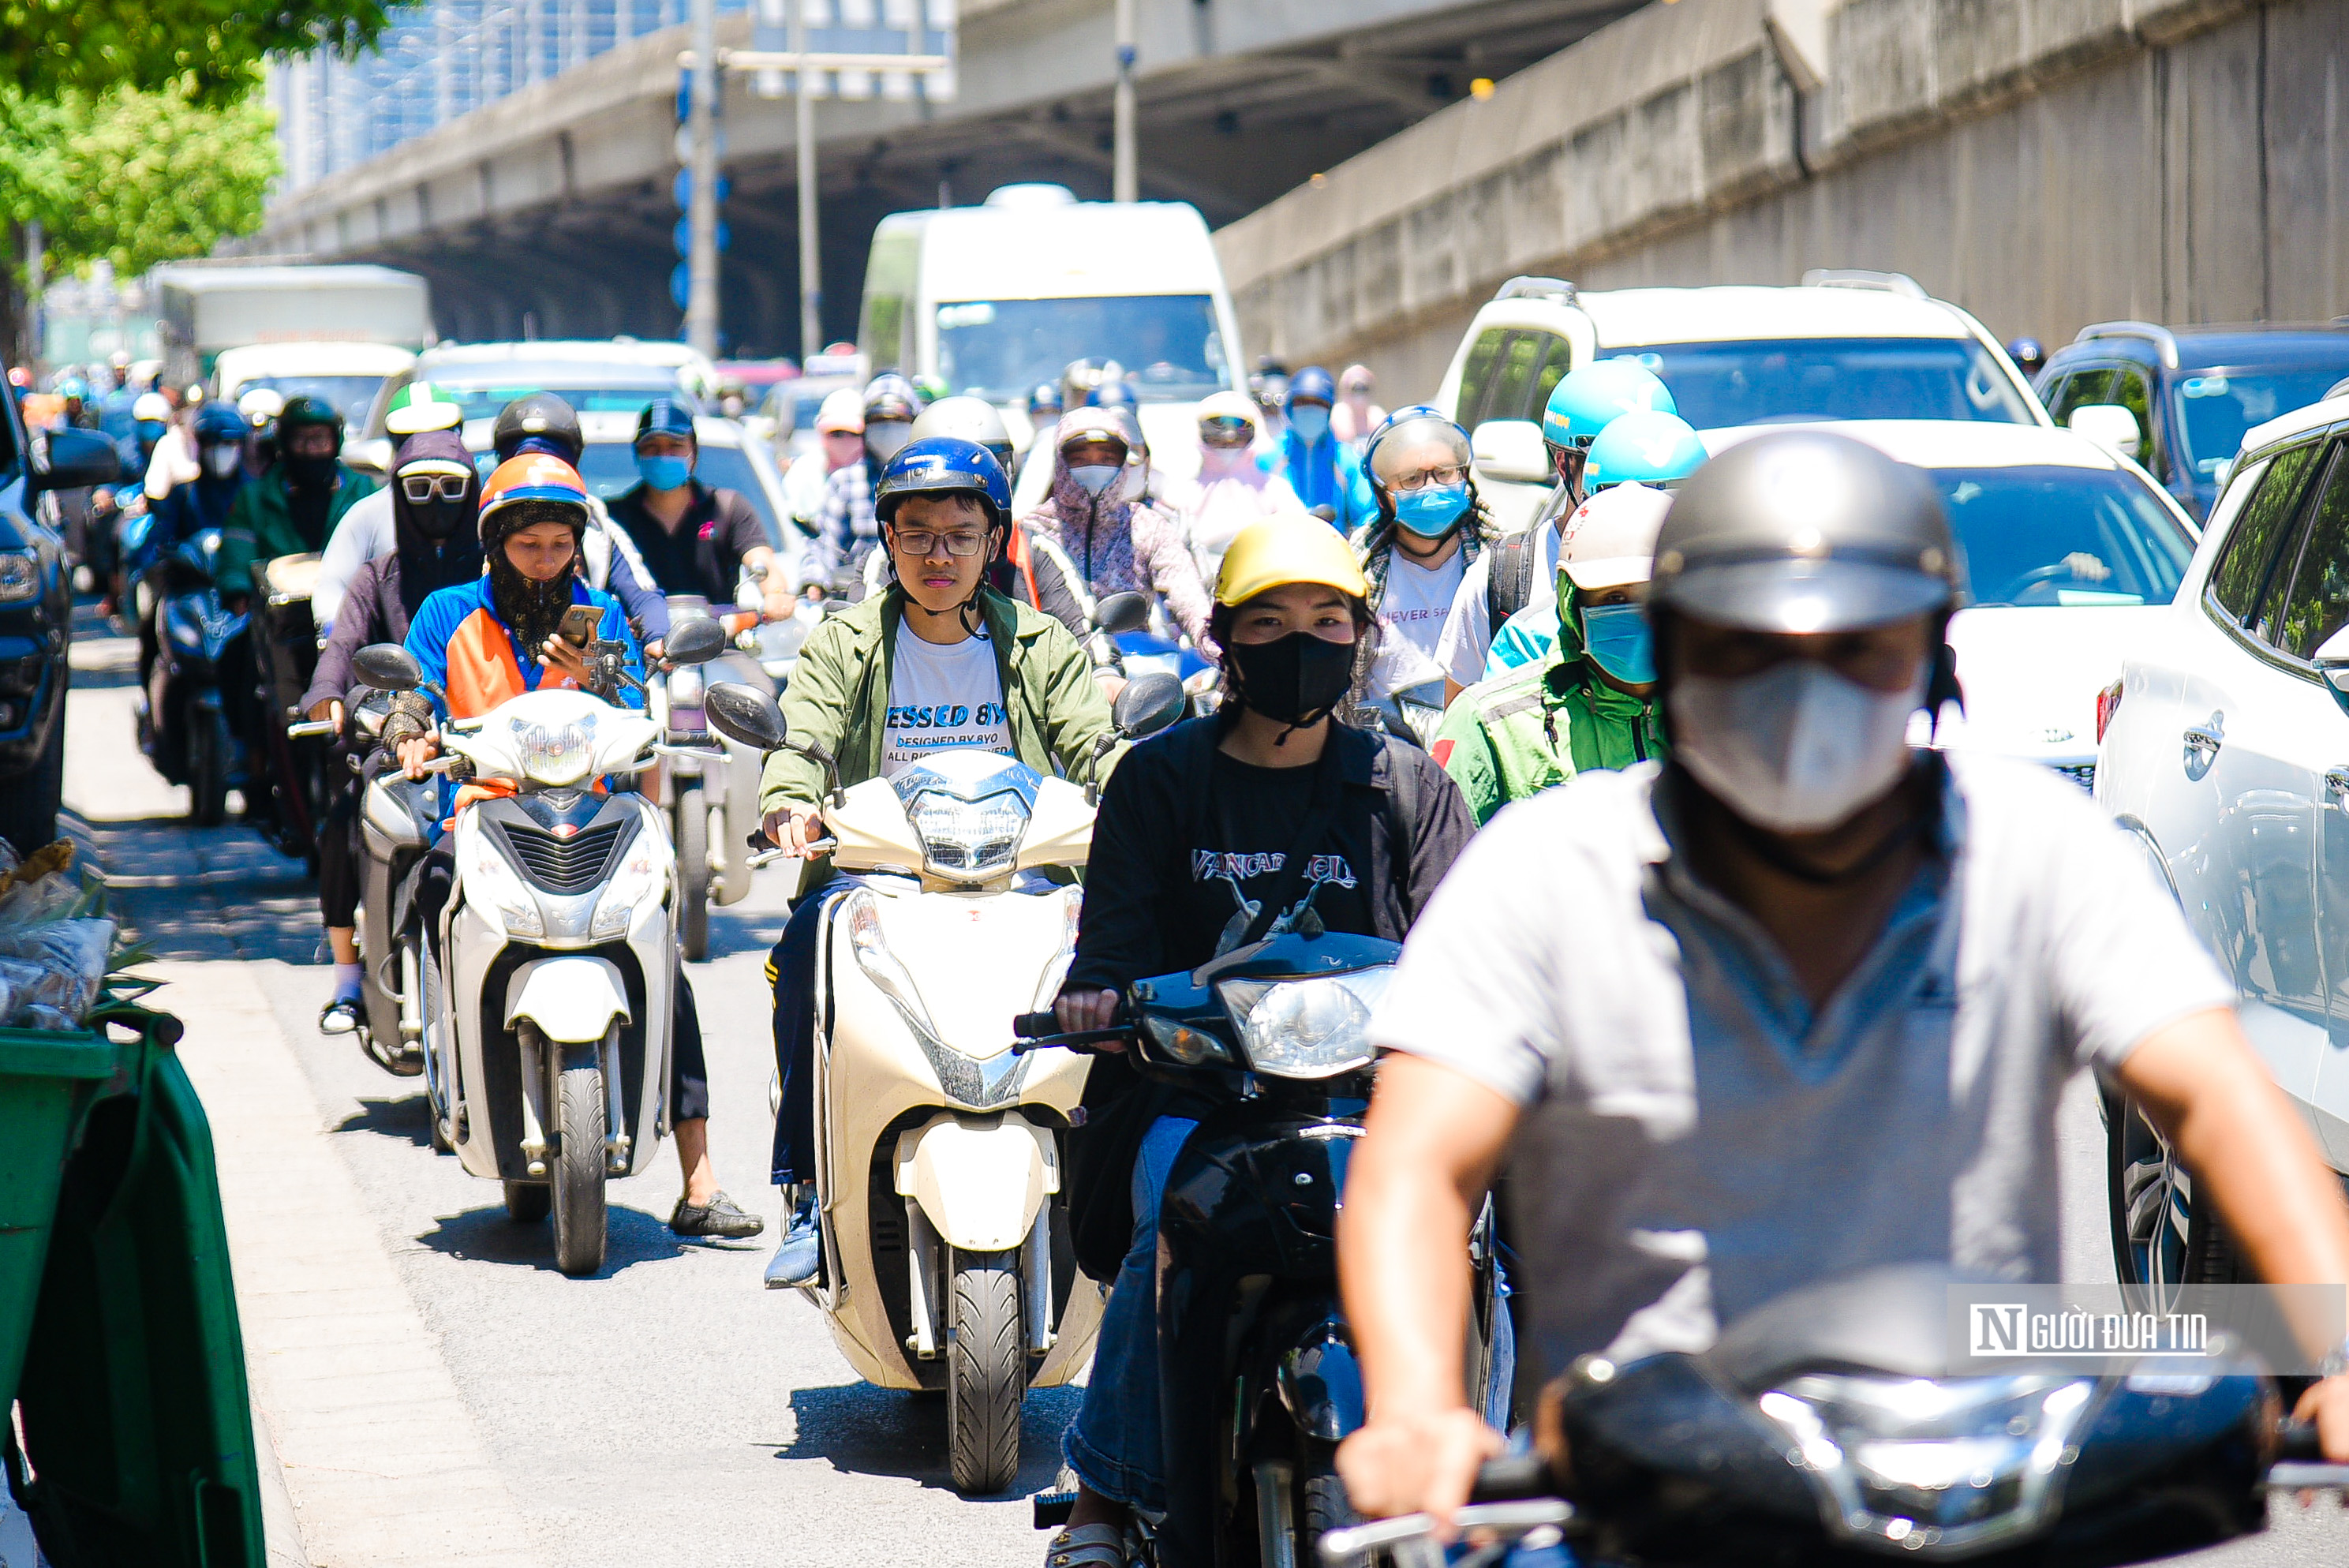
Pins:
x: 938, y: 1151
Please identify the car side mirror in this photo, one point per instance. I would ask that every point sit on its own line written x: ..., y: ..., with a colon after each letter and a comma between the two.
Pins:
x: 1510, y: 450
x: 2109, y: 425
x: 695, y: 641
x: 77, y: 460
x: 1121, y: 613
x: 388, y: 666
x: 2331, y: 661
x: 1148, y: 704
x: 743, y: 714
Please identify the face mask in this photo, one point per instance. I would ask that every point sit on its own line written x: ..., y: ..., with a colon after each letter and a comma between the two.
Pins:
x: 220, y: 461
x: 151, y: 431
x: 1310, y: 422
x: 1797, y: 748
x: 883, y: 438
x: 1430, y: 513
x: 1095, y: 477
x: 438, y: 520
x: 665, y: 472
x: 1292, y: 680
x: 310, y: 472
x: 1620, y: 643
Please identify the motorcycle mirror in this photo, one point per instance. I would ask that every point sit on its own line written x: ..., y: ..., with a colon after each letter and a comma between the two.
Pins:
x: 1121, y: 613
x: 388, y: 666
x: 1147, y: 705
x: 694, y: 641
x: 744, y: 714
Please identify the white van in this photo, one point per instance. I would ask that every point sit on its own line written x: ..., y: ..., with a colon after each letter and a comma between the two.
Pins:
x: 994, y: 299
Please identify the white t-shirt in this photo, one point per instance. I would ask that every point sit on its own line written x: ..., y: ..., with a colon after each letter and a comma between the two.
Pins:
x: 1411, y: 620
x: 941, y: 695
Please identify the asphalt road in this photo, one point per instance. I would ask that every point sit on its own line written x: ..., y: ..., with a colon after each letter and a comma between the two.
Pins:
x: 667, y: 1410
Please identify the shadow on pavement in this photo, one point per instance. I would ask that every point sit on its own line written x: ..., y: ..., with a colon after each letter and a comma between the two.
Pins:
x: 730, y: 933
x: 865, y: 1430
x: 204, y: 892
x: 408, y: 1119
x: 486, y: 1235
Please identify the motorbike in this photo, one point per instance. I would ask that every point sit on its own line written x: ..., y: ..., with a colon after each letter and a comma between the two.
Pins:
x: 1257, y: 1378
x: 711, y: 800
x: 546, y: 1011
x: 947, y: 1258
x: 398, y: 819
x: 293, y: 762
x: 1827, y: 1429
x: 183, y: 714
x: 1414, y: 713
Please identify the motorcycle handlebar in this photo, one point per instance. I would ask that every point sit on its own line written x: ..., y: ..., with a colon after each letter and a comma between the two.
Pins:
x: 1512, y: 1478
x: 1043, y: 1032
x: 313, y: 728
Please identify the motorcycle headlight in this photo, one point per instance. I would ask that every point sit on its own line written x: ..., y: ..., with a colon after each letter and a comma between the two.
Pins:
x: 1313, y: 1028
x: 20, y: 577
x: 1185, y: 1045
x: 636, y: 881
x: 555, y: 754
x: 491, y: 883
x: 968, y: 840
x: 1931, y: 1466
x: 884, y: 968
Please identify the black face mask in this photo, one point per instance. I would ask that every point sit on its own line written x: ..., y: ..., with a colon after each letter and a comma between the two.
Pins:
x: 436, y: 520
x: 309, y: 472
x: 1294, y: 679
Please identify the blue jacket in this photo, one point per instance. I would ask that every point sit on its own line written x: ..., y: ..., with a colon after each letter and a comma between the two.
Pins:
x: 1327, y: 473
x: 472, y: 655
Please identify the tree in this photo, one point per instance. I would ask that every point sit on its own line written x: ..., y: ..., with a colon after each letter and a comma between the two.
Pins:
x: 212, y: 50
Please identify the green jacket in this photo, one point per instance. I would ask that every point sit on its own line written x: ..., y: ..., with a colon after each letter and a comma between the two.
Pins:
x: 839, y: 696
x: 1506, y: 739
x: 261, y: 526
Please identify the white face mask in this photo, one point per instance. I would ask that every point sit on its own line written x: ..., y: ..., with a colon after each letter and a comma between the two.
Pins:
x: 1094, y: 477
x: 1797, y: 748
x: 223, y: 460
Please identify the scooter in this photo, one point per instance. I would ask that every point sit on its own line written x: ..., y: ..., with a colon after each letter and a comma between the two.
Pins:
x: 947, y: 1264
x: 183, y: 725
x: 1827, y: 1429
x: 1257, y: 1378
x: 292, y: 763
x: 398, y: 819
x: 547, y: 1011
x: 710, y: 799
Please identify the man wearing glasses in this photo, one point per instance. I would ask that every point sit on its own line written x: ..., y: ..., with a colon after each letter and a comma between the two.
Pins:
x: 937, y: 659
x: 1429, y: 530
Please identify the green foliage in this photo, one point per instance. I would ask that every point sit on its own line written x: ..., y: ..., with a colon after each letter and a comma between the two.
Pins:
x: 211, y: 48
x: 134, y: 177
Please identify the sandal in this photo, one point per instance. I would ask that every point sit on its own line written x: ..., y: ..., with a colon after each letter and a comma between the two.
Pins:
x: 1088, y: 1546
x: 340, y: 1016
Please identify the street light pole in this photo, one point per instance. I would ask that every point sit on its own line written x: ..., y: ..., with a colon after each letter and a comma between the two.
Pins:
x: 701, y: 287
x: 811, y: 253
x: 1125, y: 183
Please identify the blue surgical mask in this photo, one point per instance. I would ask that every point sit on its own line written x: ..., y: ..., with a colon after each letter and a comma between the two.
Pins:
x: 1431, y: 513
x: 1310, y: 422
x: 151, y: 430
x: 664, y: 473
x: 1620, y: 643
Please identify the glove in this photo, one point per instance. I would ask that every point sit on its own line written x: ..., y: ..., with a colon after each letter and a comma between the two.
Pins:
x: 412, y: 717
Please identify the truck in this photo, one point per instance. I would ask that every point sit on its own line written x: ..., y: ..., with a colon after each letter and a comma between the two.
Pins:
x: 210, y: 307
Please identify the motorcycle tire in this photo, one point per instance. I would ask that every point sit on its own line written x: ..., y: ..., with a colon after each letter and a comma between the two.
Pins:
x: 578, y: 1186
x: 693, y: 871
x: 1322, y: 1504
x: 208, y: 755
x: 527, y: 1202
x: 986, y: 1373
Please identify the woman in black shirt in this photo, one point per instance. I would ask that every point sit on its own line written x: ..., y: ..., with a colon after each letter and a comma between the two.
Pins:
x: 1193, y: 835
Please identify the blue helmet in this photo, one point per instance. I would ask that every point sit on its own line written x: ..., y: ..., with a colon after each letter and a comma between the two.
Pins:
x: 943, y: 466
x: 1112, y: 394
x: 220, y: 422
x: 1311, y: 385
x: 1645, y: 446
x: 1589, y: 395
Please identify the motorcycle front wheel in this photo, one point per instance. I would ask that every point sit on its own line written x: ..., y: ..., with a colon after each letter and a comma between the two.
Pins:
x: 579, y: 1218
x: 693, y: 870
x: 208, y: 755
x: 985, y: 1372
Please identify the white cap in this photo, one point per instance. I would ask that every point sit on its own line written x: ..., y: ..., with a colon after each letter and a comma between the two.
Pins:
x: 843, y: 409
x: 262, y: 404
x: 1611, y: 539
x: 151, y: 406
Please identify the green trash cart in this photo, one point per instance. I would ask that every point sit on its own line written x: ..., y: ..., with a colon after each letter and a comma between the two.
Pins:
x: 132, y: 1442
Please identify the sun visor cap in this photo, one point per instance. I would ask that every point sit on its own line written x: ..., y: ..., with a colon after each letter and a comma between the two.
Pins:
x: 1804, y: 532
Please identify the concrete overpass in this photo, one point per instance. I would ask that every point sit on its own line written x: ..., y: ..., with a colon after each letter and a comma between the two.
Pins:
x: 2045, y: 163
x: 550, y: 210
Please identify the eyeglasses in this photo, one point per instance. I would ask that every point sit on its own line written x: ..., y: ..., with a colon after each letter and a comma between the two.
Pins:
x: 423, y: 488
x: 1226, y: 430
x: 1405, y: 484
x: 922, y: 542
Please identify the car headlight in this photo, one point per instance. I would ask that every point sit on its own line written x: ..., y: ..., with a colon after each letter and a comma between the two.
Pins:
x: 968, y: 840
x: 883, y: 966
x: 555, y: 754
x: 1918, y: 1462
x: 491, y: 883
x: 632, y: 884
x: 20, y: 577
x: 1313, y: 1028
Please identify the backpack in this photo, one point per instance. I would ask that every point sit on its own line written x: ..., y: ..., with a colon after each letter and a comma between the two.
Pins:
x: 1509, y: 585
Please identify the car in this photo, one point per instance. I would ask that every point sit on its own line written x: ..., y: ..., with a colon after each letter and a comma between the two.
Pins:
x: 2070, y: 553
x: 347, y: 375
x: 730, y: 458
x: 2190, y: 392
x: 614, y: 375
x: 1839, y: 345
x: 36, y: 613
x: 2224, y: 752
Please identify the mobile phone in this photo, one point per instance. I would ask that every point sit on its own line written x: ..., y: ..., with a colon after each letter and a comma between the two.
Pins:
x: 579, y: 624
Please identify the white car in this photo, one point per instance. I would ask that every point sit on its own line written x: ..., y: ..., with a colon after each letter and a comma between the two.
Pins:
x: 2226, y: 752
x: 347, y: 375
x: 729, y: 458
x: 1840, y: 345
x: 2071, y: 555
x: 618, y: 375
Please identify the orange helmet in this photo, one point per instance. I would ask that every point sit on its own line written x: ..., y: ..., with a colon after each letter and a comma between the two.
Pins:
x: 538, y: 477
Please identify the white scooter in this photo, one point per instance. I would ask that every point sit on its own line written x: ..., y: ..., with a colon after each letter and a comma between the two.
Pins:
x: 546, y: 1037
x: 938, y: 1154
x: 707, y: 793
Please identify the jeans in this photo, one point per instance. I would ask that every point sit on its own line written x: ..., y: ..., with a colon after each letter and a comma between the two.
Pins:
x: 791, y: 967
x: 1115, y: 1447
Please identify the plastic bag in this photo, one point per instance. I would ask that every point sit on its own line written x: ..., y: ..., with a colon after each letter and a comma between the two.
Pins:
x: 69, y: 958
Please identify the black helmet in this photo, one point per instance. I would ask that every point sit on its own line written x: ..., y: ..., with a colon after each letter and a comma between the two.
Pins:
x: 1805, y: 531
x: 541, y: 414
x: 306, y: 409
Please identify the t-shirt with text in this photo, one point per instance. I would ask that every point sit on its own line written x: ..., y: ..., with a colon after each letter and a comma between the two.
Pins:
x: 942, y: 695
x: 1411, y: 614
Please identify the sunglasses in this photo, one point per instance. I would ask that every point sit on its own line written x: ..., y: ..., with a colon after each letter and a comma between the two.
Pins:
x: 422, y: 489
x: 922, y: 542
x: 1225, y: 430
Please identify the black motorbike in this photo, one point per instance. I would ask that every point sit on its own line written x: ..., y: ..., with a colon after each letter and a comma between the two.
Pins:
x: 1827, y: 1431
x: 1257, y: 1376
x: 187, y: 707
x: 294, y: 767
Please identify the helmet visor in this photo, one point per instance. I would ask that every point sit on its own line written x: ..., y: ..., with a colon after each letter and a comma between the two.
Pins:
x: 1407, y: 448
x: 1802, y: 595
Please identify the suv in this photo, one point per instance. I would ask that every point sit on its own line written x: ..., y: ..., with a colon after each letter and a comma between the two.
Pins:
x: 1840, y: 345
x: 2191, y: 391
x: 37, y: 615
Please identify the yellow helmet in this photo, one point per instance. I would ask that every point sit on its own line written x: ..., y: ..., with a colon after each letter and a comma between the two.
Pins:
x: 1280, y: 551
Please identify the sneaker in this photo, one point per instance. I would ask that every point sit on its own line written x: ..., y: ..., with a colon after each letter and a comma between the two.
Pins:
x: 340, y: 1016
x: 800, y: 1259
x: 721, y: 1217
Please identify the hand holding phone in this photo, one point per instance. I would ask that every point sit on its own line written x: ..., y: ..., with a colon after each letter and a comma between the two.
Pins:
x: 579, y: 624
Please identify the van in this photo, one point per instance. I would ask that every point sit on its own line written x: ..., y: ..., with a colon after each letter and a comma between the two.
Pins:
x: 995, y: 298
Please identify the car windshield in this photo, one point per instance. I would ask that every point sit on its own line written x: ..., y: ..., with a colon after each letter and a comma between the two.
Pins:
x: 1000, y: 349
x: 2218, y: 405
x: 482, y: 402
x: 1771, y: 381
x: 350, y: 395
x: 2060, y: 535
x: 610, y: 466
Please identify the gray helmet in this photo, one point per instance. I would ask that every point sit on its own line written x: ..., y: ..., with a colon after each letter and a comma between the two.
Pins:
x: 1805, y: 531
x: 967, y: 419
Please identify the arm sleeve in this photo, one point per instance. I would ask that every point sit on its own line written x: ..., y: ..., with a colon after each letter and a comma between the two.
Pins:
x: 1464, y: 751
x: 833, y: 536
x: 1125, y: 882
x: 428, y: 641
x: 632, y: 585
x: 1056, y: 585
x: 240, y: 544
x: 1174, y: 572
x: 1441, y: 832
x: 815, y: 708
x: 332, y: 677
x: 1468, y: 626
x: 1075, y: 713
x: 347, y: 549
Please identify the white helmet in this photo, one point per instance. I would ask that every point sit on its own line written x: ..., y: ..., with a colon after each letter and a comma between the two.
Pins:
x: 967, y: 419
